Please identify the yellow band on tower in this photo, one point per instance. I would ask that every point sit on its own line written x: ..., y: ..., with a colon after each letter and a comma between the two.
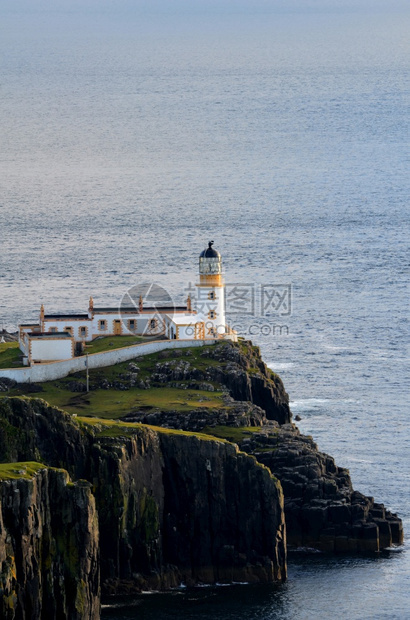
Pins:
x: 210, y: 280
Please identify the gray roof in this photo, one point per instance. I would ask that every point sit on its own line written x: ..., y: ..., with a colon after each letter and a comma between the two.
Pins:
x: 134, y: 310
x: 66, y: 317
x: 49, y: 334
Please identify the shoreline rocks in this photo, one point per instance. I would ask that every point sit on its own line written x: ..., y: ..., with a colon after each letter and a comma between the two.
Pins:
x: 322, y: 509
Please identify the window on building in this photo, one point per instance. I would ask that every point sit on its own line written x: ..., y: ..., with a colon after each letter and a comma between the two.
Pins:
x: 212, y: 314
x: 53, y: 330
x: 153, y: 323
x: 132, y: 324
x: 102, y: 324
x: 211, y: 295
x: 69, y: 330
x: 83, y: 332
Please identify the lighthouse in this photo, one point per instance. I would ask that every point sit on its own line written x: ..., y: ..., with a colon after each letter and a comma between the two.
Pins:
x: 211, y: 292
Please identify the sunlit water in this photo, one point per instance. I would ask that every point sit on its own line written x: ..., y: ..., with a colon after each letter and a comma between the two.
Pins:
x: 132, y: 133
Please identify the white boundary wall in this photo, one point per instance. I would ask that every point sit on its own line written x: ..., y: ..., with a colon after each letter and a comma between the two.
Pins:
x: 58, y: 370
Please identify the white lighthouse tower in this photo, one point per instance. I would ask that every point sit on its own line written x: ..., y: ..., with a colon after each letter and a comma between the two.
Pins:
x: 211, y: 293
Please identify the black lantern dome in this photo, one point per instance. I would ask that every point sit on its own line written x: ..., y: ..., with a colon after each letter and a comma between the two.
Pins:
x: 210, y: 261
x: 209, y: 252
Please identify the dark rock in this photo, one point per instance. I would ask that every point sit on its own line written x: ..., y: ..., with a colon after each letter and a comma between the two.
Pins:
x: 29, y: 388
x: 49, y: 555
x: 9, y: 336
x: 241, y: 370
x: 322, y: 509
x: 76, y: 386
x: 195, y: 420
x: 6, y: 384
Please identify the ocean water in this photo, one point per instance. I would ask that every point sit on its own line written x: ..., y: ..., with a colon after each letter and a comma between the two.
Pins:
x: 133, y: 132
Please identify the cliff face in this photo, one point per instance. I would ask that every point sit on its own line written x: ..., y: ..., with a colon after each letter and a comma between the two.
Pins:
x: 171, y: 507
x: 249, y: 379
x: 322, y: 509
x: 223, y: 514
x: 186, y: 510
x: 48, y: 547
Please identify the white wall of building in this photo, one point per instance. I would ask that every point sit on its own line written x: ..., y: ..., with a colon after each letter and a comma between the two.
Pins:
x: 109, y: 319
x: 112, y: 323
x: 51, y: 349
x: 185, y: 332
x: 24, y: 343
x: 61, y: 325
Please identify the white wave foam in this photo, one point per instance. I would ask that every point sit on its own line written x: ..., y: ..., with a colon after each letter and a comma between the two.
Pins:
x: 308, y: 403
x: 279, y: 365
x: 316, y: 403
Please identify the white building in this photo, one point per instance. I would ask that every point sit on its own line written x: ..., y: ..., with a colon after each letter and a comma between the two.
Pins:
x: 61, y: 336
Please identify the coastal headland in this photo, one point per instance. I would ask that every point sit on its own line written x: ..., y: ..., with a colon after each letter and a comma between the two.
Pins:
x: 183, y: 466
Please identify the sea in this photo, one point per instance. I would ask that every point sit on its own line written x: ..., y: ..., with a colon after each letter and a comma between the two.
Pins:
x: 133, y: 132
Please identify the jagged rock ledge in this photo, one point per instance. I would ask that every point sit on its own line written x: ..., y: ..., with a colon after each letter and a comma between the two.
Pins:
x: 322, y: 509
x: 234, y: 413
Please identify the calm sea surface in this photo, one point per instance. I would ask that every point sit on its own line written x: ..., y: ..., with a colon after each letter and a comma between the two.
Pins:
x: 134, y: 132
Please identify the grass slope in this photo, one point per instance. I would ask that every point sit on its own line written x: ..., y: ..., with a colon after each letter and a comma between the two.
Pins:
x: 113, y: 342
x: 10, y: 355
x: 114, y: 404
x: 112, y: 428
x: 15, y: 471
x: 231, y: 433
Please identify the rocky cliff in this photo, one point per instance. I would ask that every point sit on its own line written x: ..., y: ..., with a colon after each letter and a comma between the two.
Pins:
x: 171, y: 506
x: 322, y: 509
x: 48, y: 545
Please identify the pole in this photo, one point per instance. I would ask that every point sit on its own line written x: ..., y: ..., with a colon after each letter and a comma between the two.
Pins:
x: 87, y: 376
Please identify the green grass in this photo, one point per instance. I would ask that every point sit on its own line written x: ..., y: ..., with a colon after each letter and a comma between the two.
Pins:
x: 115, y: 404
x: 231, y: 433
x: 112, y: 428
x: 10, y: 355
x: 15, y: 471
x: 147, y: 363
x: 254, y: 371
x: 112, y: 342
